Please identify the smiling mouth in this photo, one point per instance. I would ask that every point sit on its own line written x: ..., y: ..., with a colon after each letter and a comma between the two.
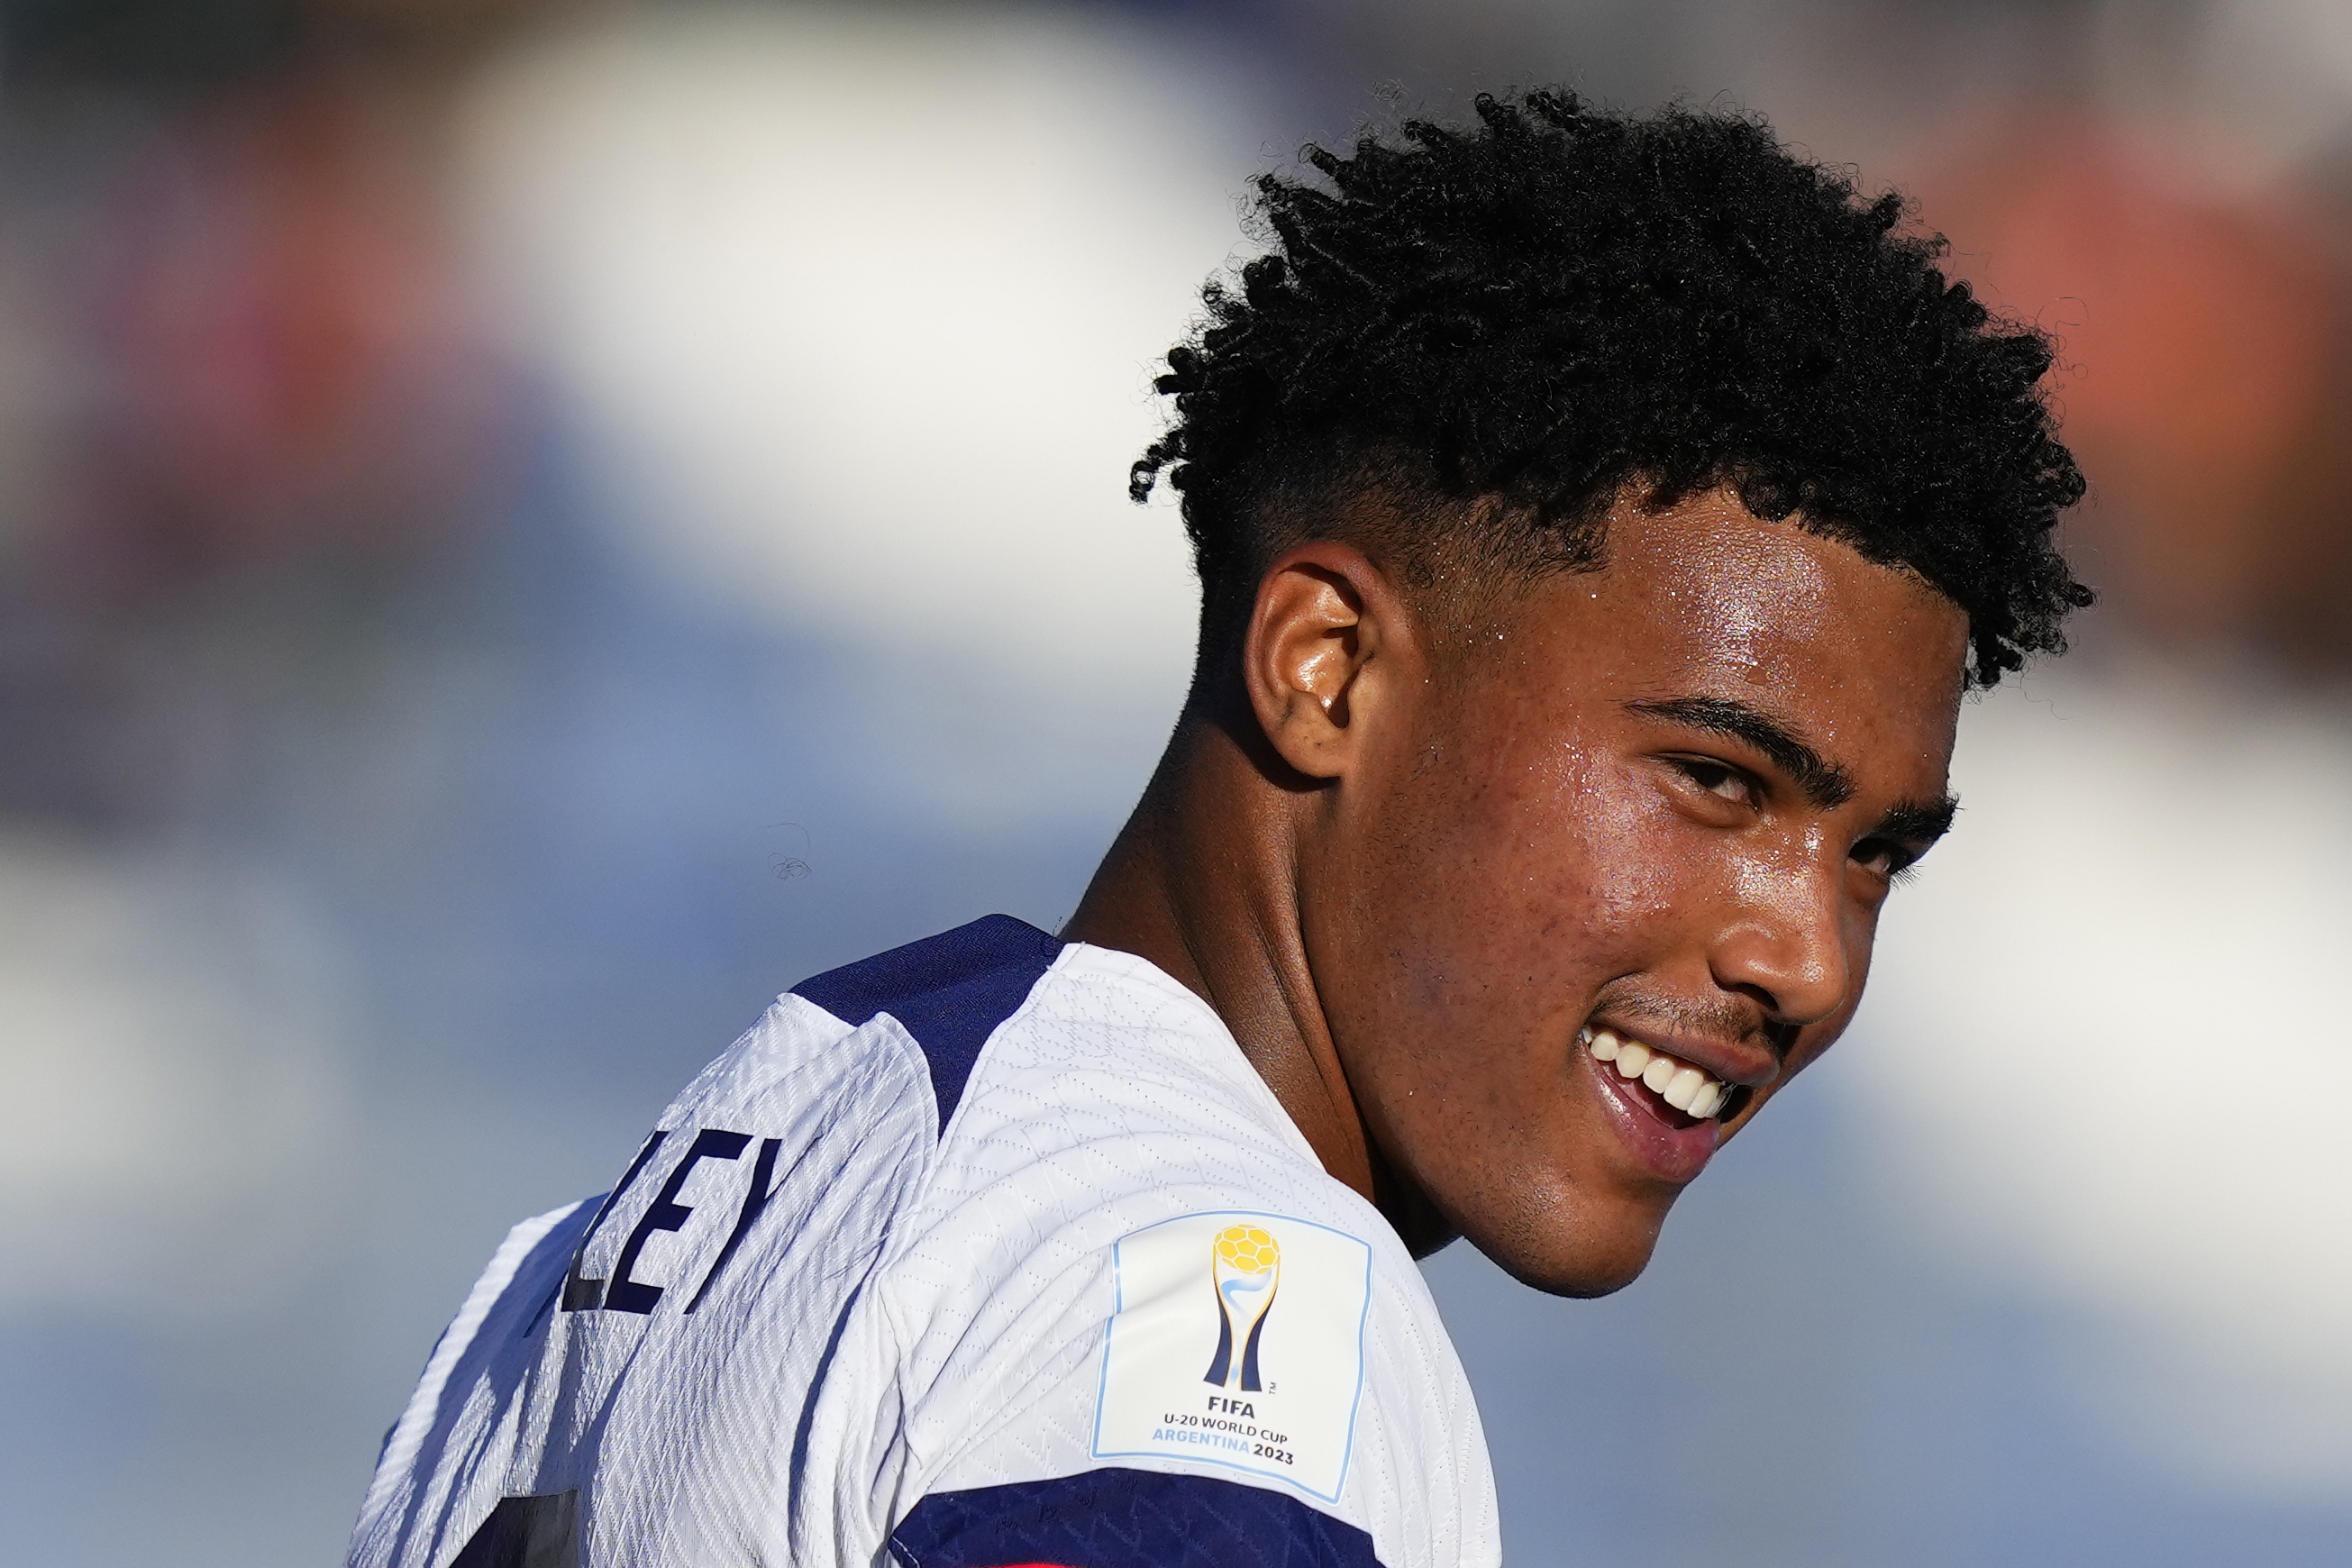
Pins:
x: 1676, y: 1085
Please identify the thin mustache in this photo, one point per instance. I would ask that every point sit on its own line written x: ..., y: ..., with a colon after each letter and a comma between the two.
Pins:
x: 1727, y: 1021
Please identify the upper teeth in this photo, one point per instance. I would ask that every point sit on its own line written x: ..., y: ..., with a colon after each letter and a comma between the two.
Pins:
x: 1677, y: 1082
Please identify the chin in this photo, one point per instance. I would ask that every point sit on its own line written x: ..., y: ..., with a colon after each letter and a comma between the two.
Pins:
x: 1589, y: 1258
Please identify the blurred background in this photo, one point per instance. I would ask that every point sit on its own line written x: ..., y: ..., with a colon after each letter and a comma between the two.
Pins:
x: 526, y: 528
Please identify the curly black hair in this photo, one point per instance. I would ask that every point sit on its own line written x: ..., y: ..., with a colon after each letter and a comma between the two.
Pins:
x: 1508, y: 326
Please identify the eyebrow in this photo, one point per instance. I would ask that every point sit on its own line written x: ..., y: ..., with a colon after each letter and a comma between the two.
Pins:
x: 1917, y: 821
x: 1823, y: 783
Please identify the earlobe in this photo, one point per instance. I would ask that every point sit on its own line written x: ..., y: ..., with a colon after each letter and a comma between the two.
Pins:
x: 1325, y: 616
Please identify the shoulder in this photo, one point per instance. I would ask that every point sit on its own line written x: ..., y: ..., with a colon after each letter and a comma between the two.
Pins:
x: 1112, y: 1101
x: 944, y: 995
x: 848, y: 1078
x: 1130, y: 1304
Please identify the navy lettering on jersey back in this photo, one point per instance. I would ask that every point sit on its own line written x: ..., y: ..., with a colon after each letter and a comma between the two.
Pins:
x: 1127, y: 1519
x: 948, y: 991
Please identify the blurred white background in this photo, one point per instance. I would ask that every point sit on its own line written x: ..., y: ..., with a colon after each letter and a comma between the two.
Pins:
x: 527, y: 528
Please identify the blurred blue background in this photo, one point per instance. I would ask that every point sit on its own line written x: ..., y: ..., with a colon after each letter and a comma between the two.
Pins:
x: 528, y: 528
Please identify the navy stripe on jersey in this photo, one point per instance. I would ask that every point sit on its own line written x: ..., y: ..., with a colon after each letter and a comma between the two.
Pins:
x: 948, y: 991
x: 526, y: 1533
x: 1127, y: 1519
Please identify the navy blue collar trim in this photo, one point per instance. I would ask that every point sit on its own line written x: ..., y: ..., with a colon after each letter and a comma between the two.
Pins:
x: 950, y: 991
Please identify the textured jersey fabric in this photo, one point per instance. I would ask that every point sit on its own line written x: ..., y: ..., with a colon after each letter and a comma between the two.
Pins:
x: 989, y: 1250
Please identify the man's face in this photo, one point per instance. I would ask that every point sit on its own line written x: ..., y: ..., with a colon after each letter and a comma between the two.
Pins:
x: 1654, y: 809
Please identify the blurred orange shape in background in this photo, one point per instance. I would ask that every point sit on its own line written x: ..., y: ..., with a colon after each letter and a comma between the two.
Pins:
x: 2201, y: 321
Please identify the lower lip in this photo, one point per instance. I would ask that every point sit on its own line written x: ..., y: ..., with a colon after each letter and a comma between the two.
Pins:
x: 1668, y: 1152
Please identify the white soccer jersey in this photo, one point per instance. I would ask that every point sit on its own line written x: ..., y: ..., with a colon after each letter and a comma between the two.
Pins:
x: 988, y: 1250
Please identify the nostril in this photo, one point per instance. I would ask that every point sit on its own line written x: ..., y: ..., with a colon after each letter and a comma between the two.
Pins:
x: 1789, y: 958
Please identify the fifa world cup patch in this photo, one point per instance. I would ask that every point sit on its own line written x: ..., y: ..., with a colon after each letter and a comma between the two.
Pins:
x: 1238, y: 1340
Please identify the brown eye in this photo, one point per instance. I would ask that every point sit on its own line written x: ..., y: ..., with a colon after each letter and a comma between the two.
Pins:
x: 1716, y: 778
x: 1890, y: 860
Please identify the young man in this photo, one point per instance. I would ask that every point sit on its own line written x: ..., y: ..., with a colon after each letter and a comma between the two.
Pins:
x: 1598, y: 520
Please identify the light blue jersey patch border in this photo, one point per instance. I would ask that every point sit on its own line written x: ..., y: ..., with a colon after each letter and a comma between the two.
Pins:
x: 1363, y: 1322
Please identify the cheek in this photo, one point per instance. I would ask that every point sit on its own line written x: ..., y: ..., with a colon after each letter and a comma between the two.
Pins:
x: 1506, y: 899
x: 1648, y: 867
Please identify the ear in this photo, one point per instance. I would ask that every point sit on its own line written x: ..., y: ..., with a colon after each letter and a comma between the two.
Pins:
x: 1329, y: 642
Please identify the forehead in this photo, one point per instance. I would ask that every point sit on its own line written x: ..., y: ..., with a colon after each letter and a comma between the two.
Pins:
x: 1706, y: 598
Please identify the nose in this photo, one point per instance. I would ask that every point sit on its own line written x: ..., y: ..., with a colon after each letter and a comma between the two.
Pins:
x: 1785, y: 948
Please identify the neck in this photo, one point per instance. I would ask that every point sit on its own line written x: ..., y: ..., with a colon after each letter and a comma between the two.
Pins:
x: 1202, y: 881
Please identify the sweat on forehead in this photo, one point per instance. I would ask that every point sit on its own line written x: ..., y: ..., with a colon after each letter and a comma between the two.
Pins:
x: 1717, y: 576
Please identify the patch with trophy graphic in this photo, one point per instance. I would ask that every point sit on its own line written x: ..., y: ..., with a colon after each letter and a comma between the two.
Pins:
x: 1238, y: 1339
